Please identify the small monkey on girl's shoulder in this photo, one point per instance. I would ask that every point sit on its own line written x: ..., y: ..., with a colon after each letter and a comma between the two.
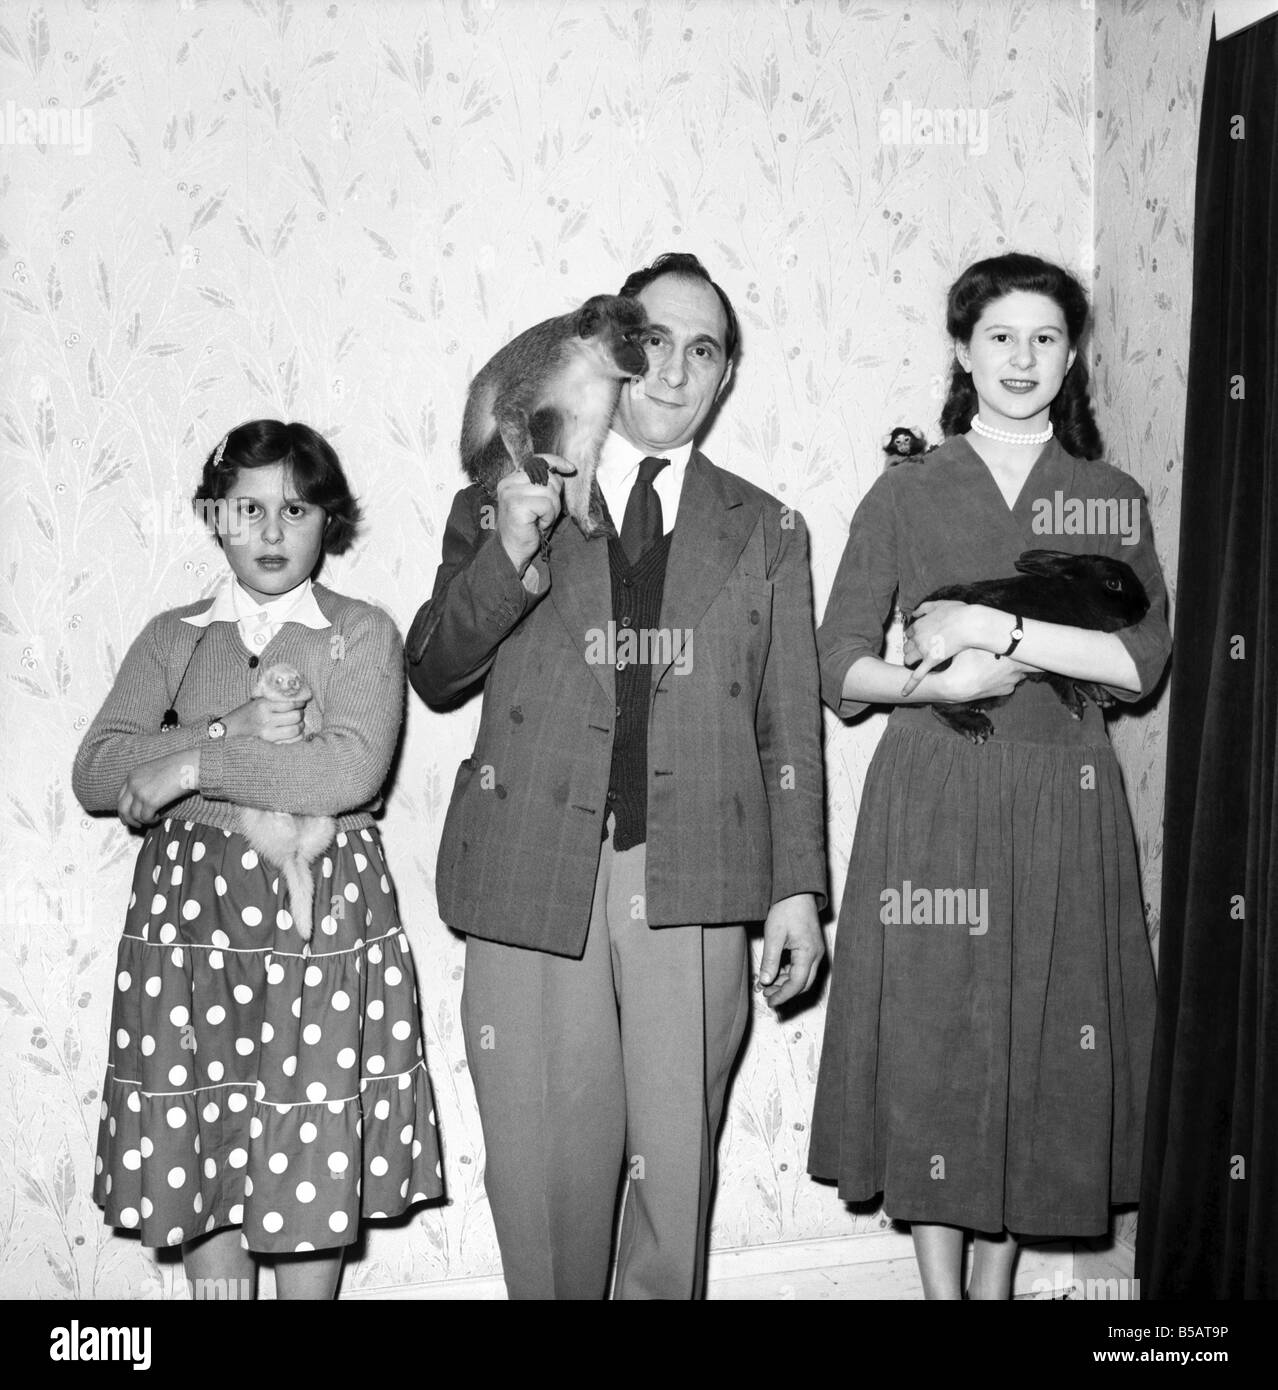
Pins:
x: 290, y: 842
x: 553, y: 390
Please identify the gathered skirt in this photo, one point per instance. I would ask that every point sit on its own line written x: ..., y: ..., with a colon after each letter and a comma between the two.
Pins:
x: 249, y: 1084
x: 991, y: 1008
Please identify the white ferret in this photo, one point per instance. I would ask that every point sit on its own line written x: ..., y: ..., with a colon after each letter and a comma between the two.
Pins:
x: 289, y: 842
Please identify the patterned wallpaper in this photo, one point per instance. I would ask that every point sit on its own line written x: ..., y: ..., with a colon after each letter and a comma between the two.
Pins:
x: 335, y: 212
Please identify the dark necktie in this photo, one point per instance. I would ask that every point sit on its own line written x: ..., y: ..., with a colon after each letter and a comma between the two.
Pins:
x: 642, y: 524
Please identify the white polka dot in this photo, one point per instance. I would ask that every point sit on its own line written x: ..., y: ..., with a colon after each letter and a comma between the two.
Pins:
x: 335, y: 1107
x: 417, y: 1148
x: 176, y: 876
x: 111, y: 1126
x: 338, y: 1163
x: 146, y: 1206
x: 303, y: 1245
x: 97, y: 1166
x: 168, y: 933
x: 236, y: 1101
x: 307, y: 1132
x: 197, y: 851
x: 210, y: 1113
x: 124, y: 979
x: 174, y: 1237
x: 289, y: 1066
x: 376, y: 1065
x: 283, y: 919
x: 314, y: 975
x: 248, y: 1186
x: 157, y: 904
x: 274, y: 973
x: 385, y: 884
x: 216, y: 1014
x: 277, y: 1163
x: 328, y: 926
x: 147, y: 1147
x: 243, y: 994
x: 148, y: 1045
x: 326, y: 868
x: 272, y: 1222
x: 220, y: 939
x: 177, y: 1076
x: 108, y: 1184
x: 219, y: 886
x: 251, y: 916
x: 190, y: 910
x: 311, y: 1034
x: 393, y: 975
x: 177, y: 1176
x: 134, y: 1101
x: 244, y: 1046
x: 152, y: 986
x: 346, y: 1057
x: 374, y: 954
x: 178, y: 1016
x: 376, y: 1008
x: 248, y: 860
x: 237, y: 1158
x: 215, y: 1070
x: 255, y: 1124
x: 296, y: 1007
x: 306, y: 1192
x: 340, y: 1001
x: 316, y: 1091
x: 403, y: 1188
x: 382, y: 1109
x: 338, y: 1221
x: 406, y: 1135
x: 197, y: 1204
x: 175, y: 1116
x: 267, y: 1032
x: 361, y: 862
x: 378, y: 1167
x: 350, y: 892
x: 404, y: 1080
x: 176, y: 957
x: 121, y: 1037
x: 215, y: 960
x: 132, y: 1160
x: 236, y: 1214
x: 171, y: 849
x: 401, y: 1030
x: 128, y: 1217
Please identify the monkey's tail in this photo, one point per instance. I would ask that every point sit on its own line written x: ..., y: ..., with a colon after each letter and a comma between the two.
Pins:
x: 301, y: 894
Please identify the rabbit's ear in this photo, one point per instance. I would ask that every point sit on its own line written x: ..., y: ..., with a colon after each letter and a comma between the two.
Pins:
x: 1049, y: 563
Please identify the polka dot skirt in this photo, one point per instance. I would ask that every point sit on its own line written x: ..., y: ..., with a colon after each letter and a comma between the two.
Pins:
x: 251, y: 1085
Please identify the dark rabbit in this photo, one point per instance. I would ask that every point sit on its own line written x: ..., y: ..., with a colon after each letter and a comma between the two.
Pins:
x: 1054, y: 586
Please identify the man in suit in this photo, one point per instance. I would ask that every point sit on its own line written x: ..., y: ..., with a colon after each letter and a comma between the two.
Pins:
x: 647, y: 779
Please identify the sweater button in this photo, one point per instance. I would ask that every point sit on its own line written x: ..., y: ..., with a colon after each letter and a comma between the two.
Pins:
x: 612, y: 795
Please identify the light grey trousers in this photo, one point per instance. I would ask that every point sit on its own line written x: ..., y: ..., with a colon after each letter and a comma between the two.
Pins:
x: 591, y: 1071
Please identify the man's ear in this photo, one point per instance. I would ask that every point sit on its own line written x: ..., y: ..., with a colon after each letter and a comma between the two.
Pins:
x: 727, y: 377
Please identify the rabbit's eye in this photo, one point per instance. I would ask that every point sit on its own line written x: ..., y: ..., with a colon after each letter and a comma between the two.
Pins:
x: 1113, y: 583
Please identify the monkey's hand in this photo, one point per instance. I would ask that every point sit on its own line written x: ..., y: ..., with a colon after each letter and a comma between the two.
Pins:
x: 527, y: 511
x: 540, y: 466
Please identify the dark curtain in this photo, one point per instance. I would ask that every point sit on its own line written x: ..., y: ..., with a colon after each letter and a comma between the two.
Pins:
x: 1208, y: 1223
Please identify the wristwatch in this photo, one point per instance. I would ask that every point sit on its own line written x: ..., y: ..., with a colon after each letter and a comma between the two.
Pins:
x: 217, y: 729
x: 1018, y: 631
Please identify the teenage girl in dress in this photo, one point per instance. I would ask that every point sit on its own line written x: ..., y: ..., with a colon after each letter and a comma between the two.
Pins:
x: 990, y: 1075
x: 259, y: 1099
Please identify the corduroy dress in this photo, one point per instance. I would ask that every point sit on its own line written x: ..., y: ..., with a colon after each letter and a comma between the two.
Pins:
x: 992, y: 1000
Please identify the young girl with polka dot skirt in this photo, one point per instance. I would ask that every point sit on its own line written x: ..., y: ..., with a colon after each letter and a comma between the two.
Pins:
x: 260, y: 1097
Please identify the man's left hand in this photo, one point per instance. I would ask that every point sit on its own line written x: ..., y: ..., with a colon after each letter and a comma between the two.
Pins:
x: 791, y: 925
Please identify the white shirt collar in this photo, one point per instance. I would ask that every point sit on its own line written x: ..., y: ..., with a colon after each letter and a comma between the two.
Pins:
x: 619, y: 462
x: 234, y: 604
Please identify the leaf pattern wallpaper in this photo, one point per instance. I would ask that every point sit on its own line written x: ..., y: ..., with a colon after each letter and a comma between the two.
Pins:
x: 335, y: 212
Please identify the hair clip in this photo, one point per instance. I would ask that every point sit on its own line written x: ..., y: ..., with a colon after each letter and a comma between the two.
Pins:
x: 219, y: 451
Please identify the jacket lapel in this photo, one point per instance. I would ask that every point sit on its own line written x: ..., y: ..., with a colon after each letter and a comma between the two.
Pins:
x: 581, y: 590
x: 711, y: 529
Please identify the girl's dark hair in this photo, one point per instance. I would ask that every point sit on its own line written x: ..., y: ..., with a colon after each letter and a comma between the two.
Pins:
x: 978, y: 287
x: 316, y: 471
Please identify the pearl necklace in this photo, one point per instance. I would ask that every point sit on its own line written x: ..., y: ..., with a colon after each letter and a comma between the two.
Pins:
x: 1007, y: 436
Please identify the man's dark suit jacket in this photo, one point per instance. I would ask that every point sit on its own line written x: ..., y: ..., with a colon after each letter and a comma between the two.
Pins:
x: 735, y: 817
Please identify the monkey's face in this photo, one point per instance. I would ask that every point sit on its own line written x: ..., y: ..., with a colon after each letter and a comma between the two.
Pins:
x: 687, y: 368
x: 617, y: 326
